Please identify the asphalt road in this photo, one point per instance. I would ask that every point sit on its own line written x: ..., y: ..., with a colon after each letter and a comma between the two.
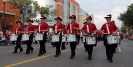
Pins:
x: 121, y: 59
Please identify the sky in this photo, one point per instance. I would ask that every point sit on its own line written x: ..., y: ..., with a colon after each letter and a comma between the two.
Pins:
x: 101, y: 8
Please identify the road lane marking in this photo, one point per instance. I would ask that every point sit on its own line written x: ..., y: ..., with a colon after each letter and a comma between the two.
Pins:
x: 34, y: 59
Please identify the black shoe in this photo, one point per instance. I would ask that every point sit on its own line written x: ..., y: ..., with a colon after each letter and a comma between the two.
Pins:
x: 110, y: 61
x: 21, y: 50
x: 44, y: 52
x: 14, y: 52
x: 89, y: 58
x: 71, y: 57
x: 39, y: 54
x: 32, y: 50
x: 56, y: 55
x: 53, y: 45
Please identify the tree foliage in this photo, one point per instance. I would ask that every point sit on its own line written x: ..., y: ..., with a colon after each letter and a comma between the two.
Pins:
x: 26, y: 6
x: 124, y: 29
x: 23, y: 6
x: 48, y: 12
x: 127, y: 17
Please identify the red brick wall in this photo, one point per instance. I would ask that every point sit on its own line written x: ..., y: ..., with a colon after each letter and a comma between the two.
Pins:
x: 59, y: 8
x: 12, y: 19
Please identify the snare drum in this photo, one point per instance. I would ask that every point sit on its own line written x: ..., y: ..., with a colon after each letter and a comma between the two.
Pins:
x: 55, y: 38
x: 13, y: 37
x: 25, y: 37
x: 63, y: 38
x: 90, y: 40
x: 71, y: 38
x: 38, y: 36
x: 112, y: 39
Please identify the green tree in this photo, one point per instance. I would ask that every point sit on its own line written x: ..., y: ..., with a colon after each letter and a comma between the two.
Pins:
x: 127, y: 17
x: 23, y: 6
x: 124, y: 29
x: 37, y: 20
x: 48, y: 12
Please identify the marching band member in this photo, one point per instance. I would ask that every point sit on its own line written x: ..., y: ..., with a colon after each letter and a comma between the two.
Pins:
x: 43, y: 28
x: 89, y: 27
x: 18, y: 31
x: 57, y: 29
x: 107, y: 29
x: 30, y: 30
x: 64, y: 32
x: 72, y: 29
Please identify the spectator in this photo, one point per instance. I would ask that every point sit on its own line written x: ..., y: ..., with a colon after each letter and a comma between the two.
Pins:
x: 4, y: 40
x: 8, y: 33
x: 1, y: 34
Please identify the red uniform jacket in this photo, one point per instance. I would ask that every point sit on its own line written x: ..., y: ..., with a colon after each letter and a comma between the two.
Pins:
x: 43, y: 26
x: 19, y: 29
x: 30, y: 28
x: 56, y: 28
x: 71, y: 27
x: 111, y: 26
x: 91, y: 28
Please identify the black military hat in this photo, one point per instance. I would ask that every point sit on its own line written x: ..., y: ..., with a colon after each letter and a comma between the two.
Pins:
x: 30, y: 20
x: 73, y: 16
x: 58, y: 18
x: 89, y: 18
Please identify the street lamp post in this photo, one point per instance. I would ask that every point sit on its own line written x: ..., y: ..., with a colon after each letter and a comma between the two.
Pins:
x: 4, y: 2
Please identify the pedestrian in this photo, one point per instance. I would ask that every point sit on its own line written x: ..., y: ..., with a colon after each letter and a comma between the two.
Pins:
x: 89, y: 29
x: 107, y: 29
x: 18, y: 31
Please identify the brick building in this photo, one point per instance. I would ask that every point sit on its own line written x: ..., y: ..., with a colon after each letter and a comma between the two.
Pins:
x: 64, y: 8
x: 11, y: 16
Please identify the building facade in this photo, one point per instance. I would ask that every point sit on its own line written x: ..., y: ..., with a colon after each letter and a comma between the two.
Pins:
x: 83, y: 15
x: 11, y: 16
x: 64, y: 8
